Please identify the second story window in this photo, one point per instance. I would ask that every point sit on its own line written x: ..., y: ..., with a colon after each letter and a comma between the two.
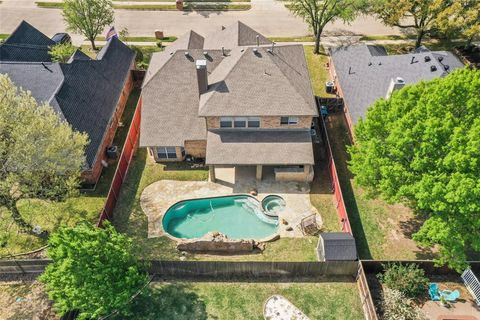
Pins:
x: 239, y: 122
x: 226, y: 122
x: 288, y: 120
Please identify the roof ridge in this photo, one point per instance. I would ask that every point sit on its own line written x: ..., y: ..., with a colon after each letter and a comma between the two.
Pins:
x: 293, y: 84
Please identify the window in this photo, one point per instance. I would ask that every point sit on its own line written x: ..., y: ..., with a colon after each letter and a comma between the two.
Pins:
x: 288, y: 120
x: 254, y: 122
x: 240, y: 122
x: 166, y: 153
x: 226, y: 122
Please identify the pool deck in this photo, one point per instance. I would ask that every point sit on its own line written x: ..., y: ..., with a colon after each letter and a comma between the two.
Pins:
x: 161, y: 195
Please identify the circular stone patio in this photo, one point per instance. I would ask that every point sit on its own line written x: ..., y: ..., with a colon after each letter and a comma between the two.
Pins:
x: 161, y: 195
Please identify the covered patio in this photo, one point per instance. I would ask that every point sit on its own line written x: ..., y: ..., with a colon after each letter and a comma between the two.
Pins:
x: 286, y: 154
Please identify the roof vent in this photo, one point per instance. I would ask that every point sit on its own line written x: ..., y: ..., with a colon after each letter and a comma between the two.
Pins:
x: 255, y: 50
x: 187, y: 54
x: 440, y: 59
x: 223, y: 51
x: 205, y: 53
x: 258, y: 40
x: 273, y: 46
x: 370, y: 63
x: 427, y: 58
x: 447, y: 67
x: 433, y: 68
x: 413, y: 60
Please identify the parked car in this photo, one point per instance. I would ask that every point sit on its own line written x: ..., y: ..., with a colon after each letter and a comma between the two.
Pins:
x: 62, y: 37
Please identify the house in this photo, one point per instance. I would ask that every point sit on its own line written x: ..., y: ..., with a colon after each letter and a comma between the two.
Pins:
x: 336, y: 246
x: 90, y: 94
x: 365, y: 73
x: 233, y: 98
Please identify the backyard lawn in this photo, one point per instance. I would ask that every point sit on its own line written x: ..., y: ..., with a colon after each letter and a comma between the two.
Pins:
x: 244, y: 301
x: 51, y: 215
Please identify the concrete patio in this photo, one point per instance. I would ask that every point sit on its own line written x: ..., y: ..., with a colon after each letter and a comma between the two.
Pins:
x: 159, y: 196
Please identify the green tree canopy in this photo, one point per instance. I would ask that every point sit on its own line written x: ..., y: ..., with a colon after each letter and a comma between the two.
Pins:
x: 93, y: 271
x: 88, y: 17
x: 61, y: 52
x: 40, y: 155
x: 318, y: 13
x: 422, y: 147
x: 420, y: 15
x: 462, y: 19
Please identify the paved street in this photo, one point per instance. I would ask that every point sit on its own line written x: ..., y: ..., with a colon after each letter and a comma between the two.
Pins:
x: 269, y: 17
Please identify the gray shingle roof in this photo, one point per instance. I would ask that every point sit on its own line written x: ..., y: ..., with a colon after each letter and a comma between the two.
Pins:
x: 26, y: 44
x: 260, y: 84
x: 241, y: 83
x: 267, y: 147
x: 235, y: 35
x: 364, y: 72
x: 170, y: 101
x: 337, y: 246
x: 84, y: 92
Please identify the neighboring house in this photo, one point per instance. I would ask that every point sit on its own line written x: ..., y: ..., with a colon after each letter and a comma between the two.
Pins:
x: 90, y: 94
x: 233, y: 98
x: 365, y: 73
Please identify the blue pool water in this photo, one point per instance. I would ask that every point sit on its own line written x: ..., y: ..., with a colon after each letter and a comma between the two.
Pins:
x: 237, y: 217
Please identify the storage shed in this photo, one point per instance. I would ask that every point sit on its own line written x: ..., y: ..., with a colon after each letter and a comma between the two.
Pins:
x: 336, y: 246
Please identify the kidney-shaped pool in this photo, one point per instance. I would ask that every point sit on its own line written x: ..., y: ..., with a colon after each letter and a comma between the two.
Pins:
x: 237, y: 217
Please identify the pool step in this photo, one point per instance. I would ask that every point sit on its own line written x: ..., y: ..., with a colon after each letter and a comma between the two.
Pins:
x: 254, y: 206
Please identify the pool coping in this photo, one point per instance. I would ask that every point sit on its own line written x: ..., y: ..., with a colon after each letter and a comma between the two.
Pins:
x: 273, y: 237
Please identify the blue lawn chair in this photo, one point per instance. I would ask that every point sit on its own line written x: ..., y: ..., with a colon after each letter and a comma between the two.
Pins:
x: 450, y: 295
x: 433, y: 292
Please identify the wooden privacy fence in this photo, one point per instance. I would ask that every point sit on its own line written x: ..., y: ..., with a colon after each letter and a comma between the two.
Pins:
x: 337, y: 191
x: 365, y: 295
x: 217, y: 269
x: 126, y: 156
x: 257, y: 270
x: 376, y: 266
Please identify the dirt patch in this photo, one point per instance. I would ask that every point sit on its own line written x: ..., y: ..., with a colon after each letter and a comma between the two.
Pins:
x: 21, y: 300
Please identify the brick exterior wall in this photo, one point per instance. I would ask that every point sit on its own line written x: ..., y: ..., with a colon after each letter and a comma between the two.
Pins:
x: 91, y: 176
x: 346, y: 112
x: 270, y: 122
x: 196, y: 148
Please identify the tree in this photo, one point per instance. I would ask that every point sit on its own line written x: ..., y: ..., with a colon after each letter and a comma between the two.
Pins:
x: 407, y: 14
x: 40, y: 155
x: 61, y: 52
x: 422, y: 147
x: 317, y: 13
x: 88, y: 17
x: 93, y: 270
x: 462, y: 18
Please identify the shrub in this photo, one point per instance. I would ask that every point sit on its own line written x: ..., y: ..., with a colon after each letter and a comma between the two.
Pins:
x: 138, y: 53
x: 409, y: 279
x: 396, y: 306
x: 159, y: 43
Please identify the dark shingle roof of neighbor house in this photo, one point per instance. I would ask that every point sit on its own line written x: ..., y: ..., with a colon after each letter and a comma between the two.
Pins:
x: 364, y: 72
x: 26, y: 44
x: 84, y: 92
x: 241, y: 83
x: 267, y: 147
x: 338, y: 246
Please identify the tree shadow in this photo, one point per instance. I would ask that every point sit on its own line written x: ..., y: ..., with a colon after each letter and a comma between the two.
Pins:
x: 339, y: 140
x: 169, y: 302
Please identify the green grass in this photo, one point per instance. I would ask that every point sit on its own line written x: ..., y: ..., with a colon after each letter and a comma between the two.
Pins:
x: 382, y: 231
x: 318, y: 71
x: 146, y: 50
x: 51, y: 215
x: 434, y: 45
x: 292, y: 39
x: 162, y: 7
x: 244, y: 301
x: 4, y: 36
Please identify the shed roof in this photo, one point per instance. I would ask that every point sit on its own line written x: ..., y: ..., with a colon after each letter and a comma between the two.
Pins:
x: 338, y: 246
x: 266, y: 147
x: 364, y: 72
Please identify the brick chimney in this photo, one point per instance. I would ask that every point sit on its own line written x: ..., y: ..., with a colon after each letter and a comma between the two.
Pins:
x: 202, y: 76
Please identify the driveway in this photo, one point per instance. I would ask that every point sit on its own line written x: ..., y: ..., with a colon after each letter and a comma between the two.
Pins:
x: 161, y: 195
x: 269, y: 17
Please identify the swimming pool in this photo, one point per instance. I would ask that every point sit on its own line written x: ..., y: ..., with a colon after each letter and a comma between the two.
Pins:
x: 237, y: 217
